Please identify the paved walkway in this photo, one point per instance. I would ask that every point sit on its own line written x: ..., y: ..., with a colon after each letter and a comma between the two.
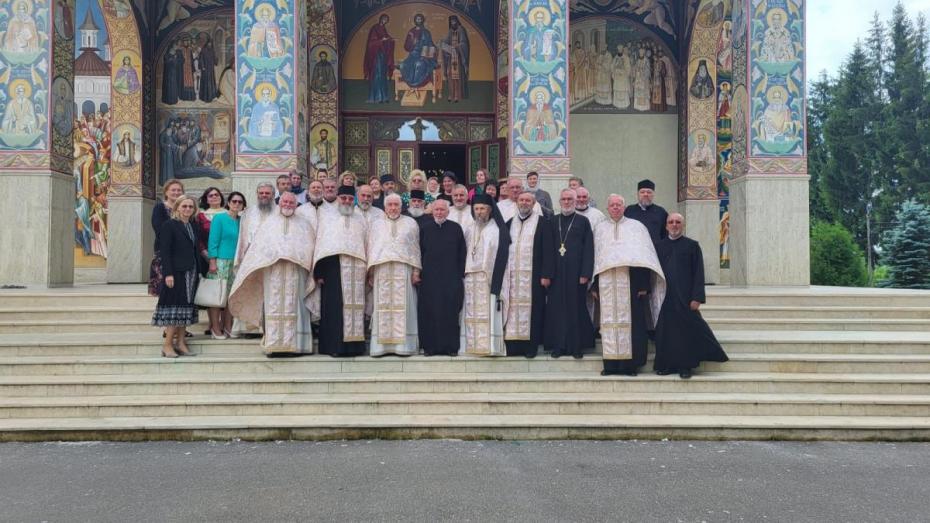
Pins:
x: 455, y: 480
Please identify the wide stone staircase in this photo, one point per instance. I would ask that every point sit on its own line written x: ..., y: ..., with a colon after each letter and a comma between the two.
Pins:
x: 815, y: 363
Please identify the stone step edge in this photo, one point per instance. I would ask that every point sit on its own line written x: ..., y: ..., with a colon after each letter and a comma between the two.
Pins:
x: 722, y: 398
x: 205, y: 359
x: 459, y: 377
x: 476, y: 421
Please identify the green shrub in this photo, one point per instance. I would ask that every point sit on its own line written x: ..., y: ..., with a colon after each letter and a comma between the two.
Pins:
x: 835, y: 258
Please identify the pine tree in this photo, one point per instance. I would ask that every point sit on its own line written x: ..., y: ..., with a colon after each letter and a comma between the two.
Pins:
x: 906, y: 248
x: 819, y: 100
x: 849, y: 178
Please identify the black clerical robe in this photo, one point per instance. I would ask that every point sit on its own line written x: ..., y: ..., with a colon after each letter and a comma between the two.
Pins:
x: 442, y: 288
x: 331, y: 339
x: 543, y: 267
x: 653, y: 217
x: 683, y: 338
x: 568, y: 328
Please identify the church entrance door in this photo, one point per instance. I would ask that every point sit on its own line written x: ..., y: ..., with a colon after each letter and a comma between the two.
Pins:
x: 436, y: 158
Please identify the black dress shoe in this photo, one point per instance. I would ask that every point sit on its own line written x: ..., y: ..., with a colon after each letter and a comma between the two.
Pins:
x: 556, y: 355
x: 663, y: 372
x: 606, y: 373
x: 685, y: 374
x: 529, y: 355
x: 577, y: 356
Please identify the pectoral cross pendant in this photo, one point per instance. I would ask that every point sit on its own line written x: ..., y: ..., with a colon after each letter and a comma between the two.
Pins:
x: 562, y: 250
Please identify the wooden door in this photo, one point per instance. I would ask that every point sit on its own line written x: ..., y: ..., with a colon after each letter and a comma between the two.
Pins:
x: 397, y: 158
x: 490, y: 155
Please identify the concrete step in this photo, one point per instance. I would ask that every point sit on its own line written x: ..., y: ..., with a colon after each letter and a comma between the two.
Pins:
x: 256, y: 364
x: 708, y: 404
x: 900, y: 428
x: 76, y: 297
x: 825, y: 342
x: 101, y: 327
x: 76, y: 314
x: 718, y: 311
x: 459, y: 383
x: 818, y: 324
x: 817, y: 296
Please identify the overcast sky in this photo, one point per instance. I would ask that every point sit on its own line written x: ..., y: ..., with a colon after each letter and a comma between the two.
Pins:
x: 835, y: 25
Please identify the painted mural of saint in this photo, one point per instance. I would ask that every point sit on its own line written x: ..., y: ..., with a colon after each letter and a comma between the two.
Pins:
x: 206, y: 65
x: 323, y: 77
x: 671, y: 80
x: 540, y: 121
x: 620, y: 74
x: 20, y: 115
x: 126, y: 80
x: 659, y: 96
x: 188, y: 91
x: 379, y: 61
x: 603, y: 67
x: 324, y: 152
x: 171, y: 76
x: 579, y: 81
x: 266, y: 117
x: 126, y: 150
x: 702, y: 85
x: 701, y: 157
x: 776, y: 123
x: 417, y: 69
x: 642, y: 82
x: 265, y: 37
x: 456, y: 52
x: 776, y: 43
x: 22, y: 35
x: 540, y: 44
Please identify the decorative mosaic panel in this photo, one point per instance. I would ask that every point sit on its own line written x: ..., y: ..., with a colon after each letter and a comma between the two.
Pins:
x: 356, y: 132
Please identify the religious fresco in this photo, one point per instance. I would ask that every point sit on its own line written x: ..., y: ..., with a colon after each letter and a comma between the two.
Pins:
x: 415, y: 57
x: 777, y: 78
x: 24, y: 75
x: 540, y: 76
x: 194, y: 143
x: 503, y: 70
x: 195, y: 93
x: 323, y: 92
x: 173, y: 12
x: 617, y: 67
x: 354, y: 14
x: 658, y: 16
x: 725, y: 130
x: 266, y: 111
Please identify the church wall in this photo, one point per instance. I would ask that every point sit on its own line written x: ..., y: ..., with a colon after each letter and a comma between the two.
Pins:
x: 613, y: 152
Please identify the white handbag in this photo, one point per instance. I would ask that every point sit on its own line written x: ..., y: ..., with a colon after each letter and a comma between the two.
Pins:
x: 212, y: 293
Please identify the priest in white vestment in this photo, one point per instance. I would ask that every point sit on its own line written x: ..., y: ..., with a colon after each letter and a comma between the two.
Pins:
x: 340, y: 267
x: 487, y: 243
x: 629, y: 279
x: 460, y: 211
x: 274, y: 281
x: 366, y: 198
x: 315, y: 205
x: 583, y: 207
x: 508, y: 207
x: 393, y: 270
x: 249, y: 222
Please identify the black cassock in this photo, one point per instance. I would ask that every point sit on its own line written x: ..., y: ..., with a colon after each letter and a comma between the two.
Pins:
x: 208, y: 89
x: 568, y: 328
x: 170, y: 80
x: 331, y: 326
x: 653, y: 217
x: 639, y: 334
x: 683, y: 338
x: 442, y: 287
x: 543, y: 267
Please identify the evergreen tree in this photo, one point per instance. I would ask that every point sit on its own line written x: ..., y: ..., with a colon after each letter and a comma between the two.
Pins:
x: 819, y: 100
x: 850, y: 178
x: 835, y: 257
x: 906, y: 248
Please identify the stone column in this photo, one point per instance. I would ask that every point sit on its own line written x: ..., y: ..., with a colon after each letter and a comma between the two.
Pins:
x: 36, y: 187
x: 271, y: 91
x: 131, y: 195
x: 539, y: 91
x: 769, y: 214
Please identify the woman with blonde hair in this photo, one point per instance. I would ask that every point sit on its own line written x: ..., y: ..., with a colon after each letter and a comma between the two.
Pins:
x: 161, y: 213
x: 417, y: 183
x: 182, y: 265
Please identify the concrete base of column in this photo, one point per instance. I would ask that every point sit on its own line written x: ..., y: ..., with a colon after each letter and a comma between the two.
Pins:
x: 131, y: 239
x: 702, y: 224
x: 37, y: 213
x: 769, y: 230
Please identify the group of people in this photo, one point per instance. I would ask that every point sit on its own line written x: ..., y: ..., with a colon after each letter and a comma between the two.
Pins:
x: 440, y: 269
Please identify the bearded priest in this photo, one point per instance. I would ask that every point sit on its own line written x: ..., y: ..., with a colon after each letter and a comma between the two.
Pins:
x: 393, y: 271
x: 275, y: 274
x: 530, y: 269
x: 487, y: 241
x: 629, y: 281
x: 340, y: 266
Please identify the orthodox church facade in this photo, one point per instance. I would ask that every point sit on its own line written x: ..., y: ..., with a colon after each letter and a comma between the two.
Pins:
x: 104, y: 100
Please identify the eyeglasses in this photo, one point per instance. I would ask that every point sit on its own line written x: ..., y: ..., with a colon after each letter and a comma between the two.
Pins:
x: 240, y: 202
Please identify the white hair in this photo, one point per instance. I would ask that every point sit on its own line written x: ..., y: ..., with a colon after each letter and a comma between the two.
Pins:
x: 615, y: 195
x: 393, y: 197
x: 264, y: 184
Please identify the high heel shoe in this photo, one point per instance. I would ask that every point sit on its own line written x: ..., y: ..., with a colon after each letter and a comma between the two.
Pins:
x: 230, y: 335
x: 185, y: 351
x: 217, y: 336
x: 166, y: 355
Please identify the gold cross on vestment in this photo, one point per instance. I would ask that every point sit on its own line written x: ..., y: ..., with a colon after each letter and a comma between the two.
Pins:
x: 562, y: 250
